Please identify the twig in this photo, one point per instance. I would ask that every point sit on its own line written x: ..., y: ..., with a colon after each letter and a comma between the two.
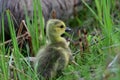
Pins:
x: 9, y: 41
x: 32, y: 59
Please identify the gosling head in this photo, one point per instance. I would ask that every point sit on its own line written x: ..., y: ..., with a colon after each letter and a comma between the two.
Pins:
x: 55, y: 28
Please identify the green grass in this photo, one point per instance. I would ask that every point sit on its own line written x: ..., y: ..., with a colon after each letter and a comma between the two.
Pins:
x: 91, y: 67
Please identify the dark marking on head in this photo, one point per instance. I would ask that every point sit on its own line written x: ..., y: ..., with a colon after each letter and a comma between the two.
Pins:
x: 56, y: 22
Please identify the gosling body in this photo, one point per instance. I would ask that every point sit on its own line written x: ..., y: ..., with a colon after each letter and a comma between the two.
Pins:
x: 56, y: 55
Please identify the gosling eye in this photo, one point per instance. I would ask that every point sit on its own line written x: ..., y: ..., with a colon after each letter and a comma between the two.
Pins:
x: 61, y: 26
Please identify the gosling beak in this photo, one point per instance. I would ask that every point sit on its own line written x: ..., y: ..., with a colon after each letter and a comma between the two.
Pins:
x: 68, y: 29
x: 66, y: 35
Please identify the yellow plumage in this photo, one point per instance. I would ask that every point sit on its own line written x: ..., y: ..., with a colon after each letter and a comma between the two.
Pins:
x: 56, y: 55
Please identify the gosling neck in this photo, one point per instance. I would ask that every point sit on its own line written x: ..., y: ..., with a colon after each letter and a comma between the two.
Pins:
x: 56, y: 39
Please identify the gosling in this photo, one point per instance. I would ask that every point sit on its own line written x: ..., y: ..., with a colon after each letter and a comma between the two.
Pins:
x: 56, y: 55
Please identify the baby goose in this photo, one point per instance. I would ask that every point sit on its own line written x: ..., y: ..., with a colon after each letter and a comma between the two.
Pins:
x: 56, y: 55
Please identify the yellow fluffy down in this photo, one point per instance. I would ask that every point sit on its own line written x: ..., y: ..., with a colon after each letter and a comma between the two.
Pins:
x: 56, y: 55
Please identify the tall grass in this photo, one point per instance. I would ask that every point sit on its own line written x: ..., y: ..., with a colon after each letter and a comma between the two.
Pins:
x: 21, y: 68
x: 103, y: 16
x: 3, y: 59
x: 36, y: 28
